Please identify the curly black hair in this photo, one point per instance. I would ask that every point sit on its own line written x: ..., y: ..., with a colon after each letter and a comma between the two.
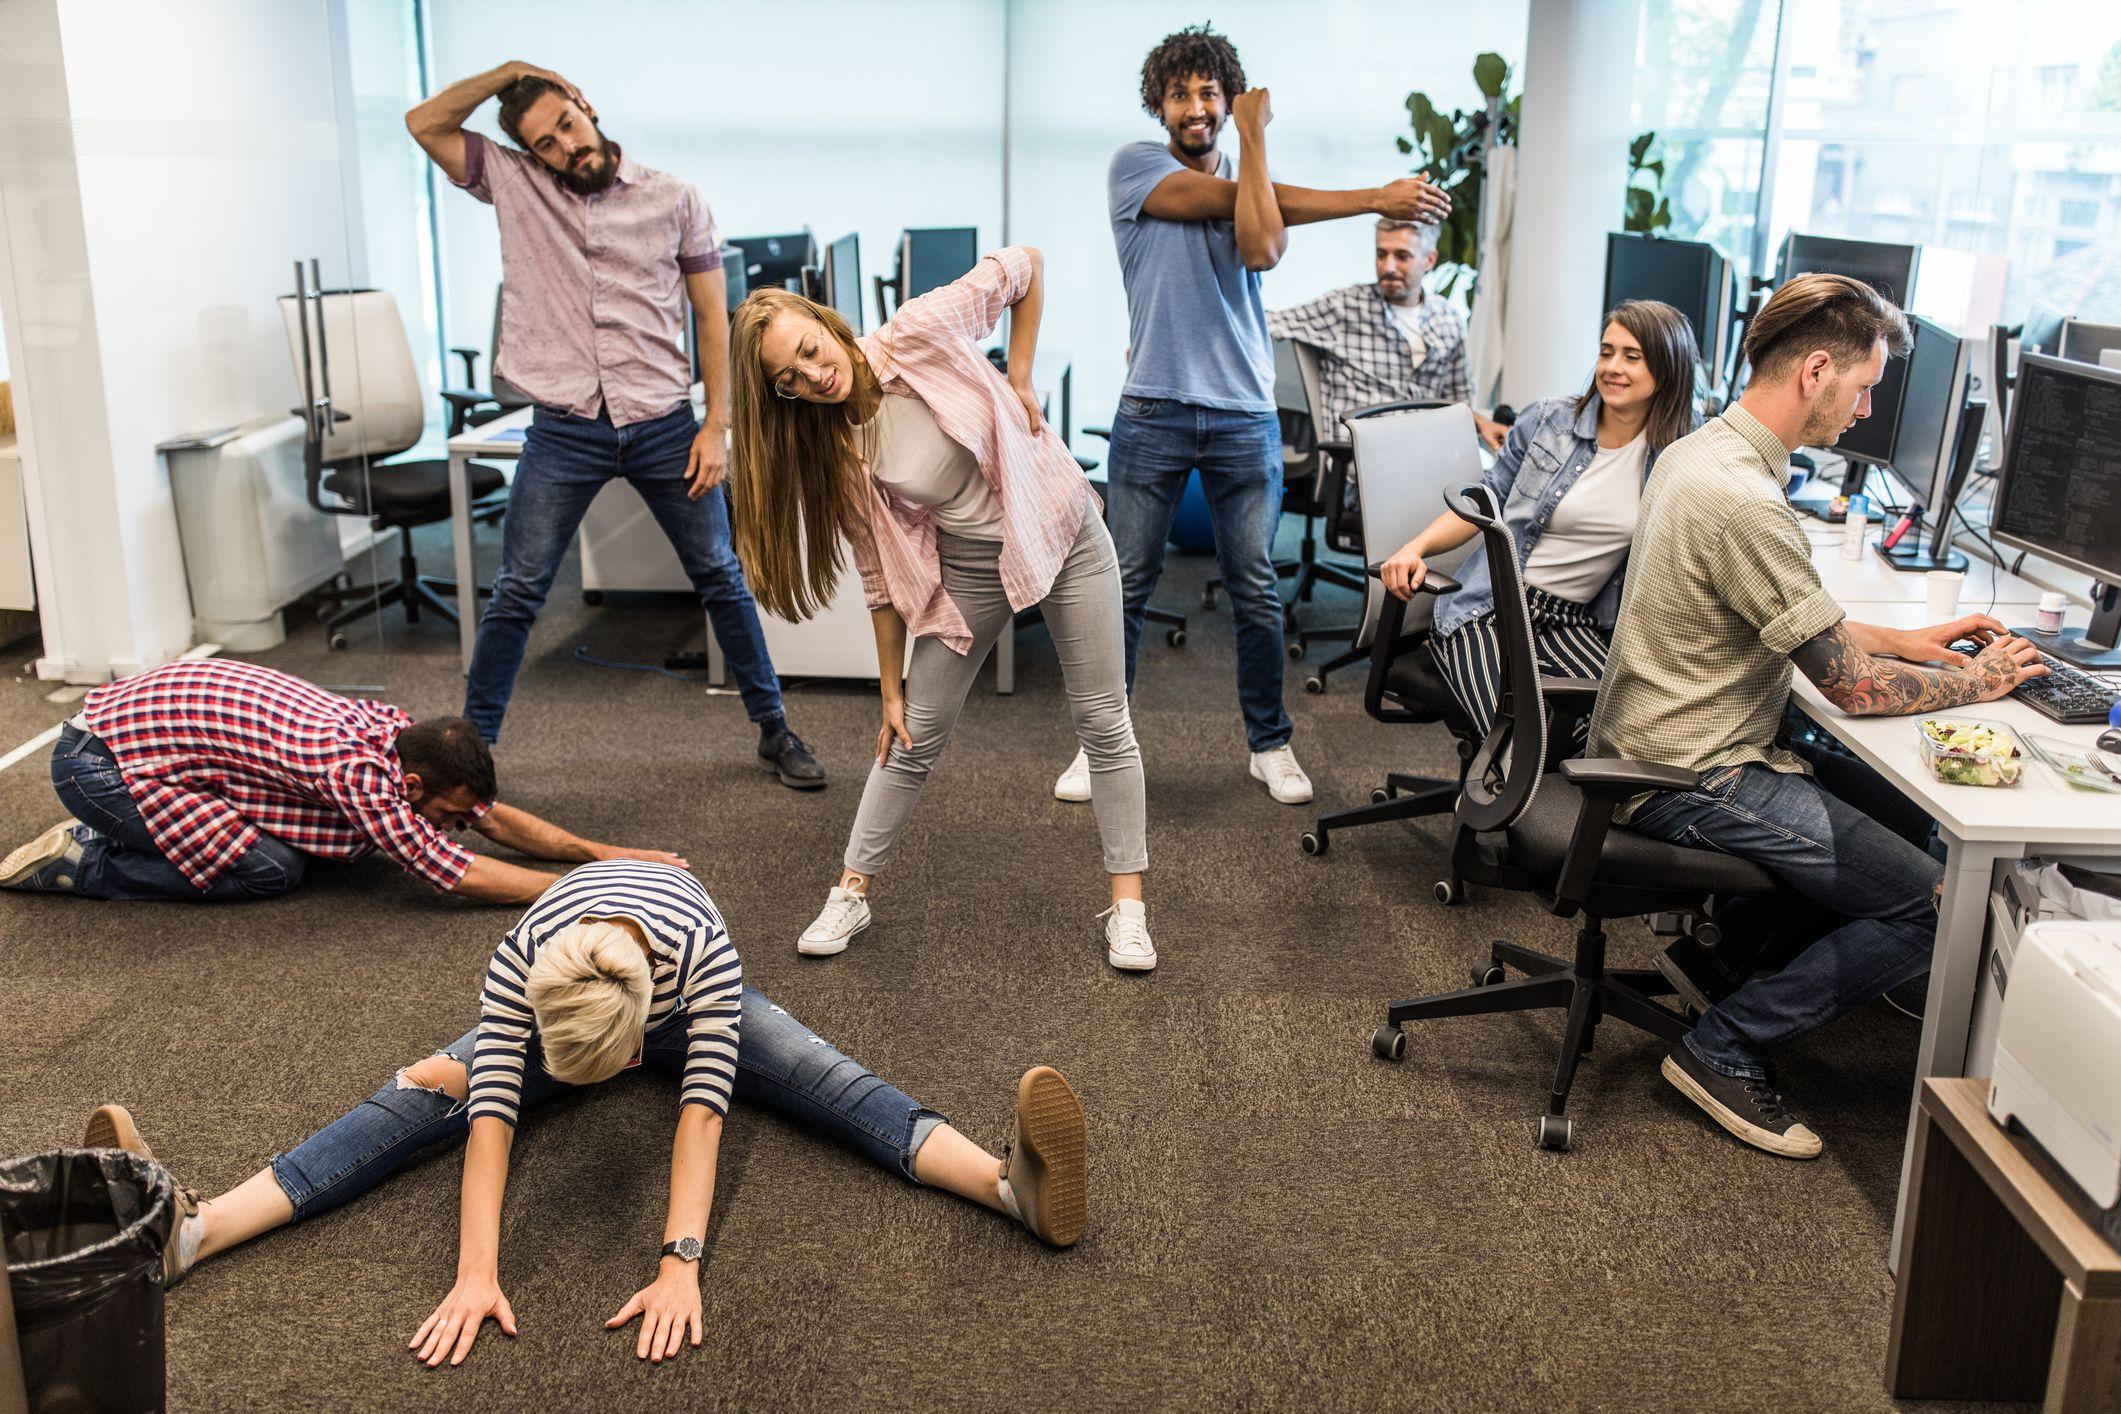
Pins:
x: 1194, y: 50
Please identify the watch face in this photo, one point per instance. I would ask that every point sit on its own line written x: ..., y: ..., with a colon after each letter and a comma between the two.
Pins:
x: 687, y: 1248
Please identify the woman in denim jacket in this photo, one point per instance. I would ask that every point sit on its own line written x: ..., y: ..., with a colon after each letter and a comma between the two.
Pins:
x: 1569, y: 480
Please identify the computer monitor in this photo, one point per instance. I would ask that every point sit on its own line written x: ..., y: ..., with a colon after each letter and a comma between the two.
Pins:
x: 1938, y: 366
x: 1886, y: 266
x: 776, y: 262
x: 2085, y: 342
x: 933, y: 257
x: 843, y: 279
x: 2042, y: 332
x: 2059, y: 493
x: 1692, y: 276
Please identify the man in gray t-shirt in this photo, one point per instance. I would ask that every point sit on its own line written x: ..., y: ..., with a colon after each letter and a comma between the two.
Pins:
x: 1194, y: 228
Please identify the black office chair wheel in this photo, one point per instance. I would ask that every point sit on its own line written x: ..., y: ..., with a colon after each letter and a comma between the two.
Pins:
x: 1388, y: 1043
x: 1314, y: 684
x: 1450, y: 893
x: 1295, y: 651
x: 1312, y: 841
x: 337, y: 642
x: 1489, y: 974
x: 1176, y: 638
x: 592, y: 597
x: 1555, y: 1132
x: 1379, y: 795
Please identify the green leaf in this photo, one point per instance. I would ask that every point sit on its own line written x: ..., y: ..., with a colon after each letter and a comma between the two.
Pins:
x: 1640, y: 147
x: 1404, y: 145
x: 1423, y: 111
x: 1491, y: 73
x: 1657, y: 167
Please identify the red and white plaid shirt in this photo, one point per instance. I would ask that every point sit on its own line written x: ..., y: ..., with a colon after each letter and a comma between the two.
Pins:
x: 216, y: 751
x: 931, y: 347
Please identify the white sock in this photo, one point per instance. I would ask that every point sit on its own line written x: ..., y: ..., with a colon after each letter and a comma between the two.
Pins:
x: 190, y: 1233
x: 1008, y: 1198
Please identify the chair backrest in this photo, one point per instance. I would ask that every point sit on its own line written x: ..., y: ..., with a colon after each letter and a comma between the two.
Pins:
x: 1290, y: 395
x: 1406, y: 463
x: 358, y: 350
x: 1504, y: 774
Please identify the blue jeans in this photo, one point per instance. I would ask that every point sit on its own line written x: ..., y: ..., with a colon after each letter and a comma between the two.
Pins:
x: 1156, y: 443
x: 566, y: 461
x: 1857, y: 904
x: 781, y: 1065
x: 120, y: 861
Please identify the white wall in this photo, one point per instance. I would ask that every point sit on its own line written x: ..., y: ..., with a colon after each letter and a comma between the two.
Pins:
x: 164, y: 165
x: 850, y: 116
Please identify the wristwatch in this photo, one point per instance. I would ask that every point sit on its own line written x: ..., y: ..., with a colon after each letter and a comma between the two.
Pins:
x: 685, y: 1249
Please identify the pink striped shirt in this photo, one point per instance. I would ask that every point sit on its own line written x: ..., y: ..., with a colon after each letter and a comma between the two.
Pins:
x: 931, y: 348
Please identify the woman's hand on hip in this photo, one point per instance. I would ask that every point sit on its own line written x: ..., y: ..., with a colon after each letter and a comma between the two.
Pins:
x: 1405, y: 571
x: 669, y: 1308
x: 449, y: 1332
x: 1034, y: 415
x: 894, y: 728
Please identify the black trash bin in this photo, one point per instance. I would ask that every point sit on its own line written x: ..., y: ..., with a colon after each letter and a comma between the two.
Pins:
x: 84, y: 1231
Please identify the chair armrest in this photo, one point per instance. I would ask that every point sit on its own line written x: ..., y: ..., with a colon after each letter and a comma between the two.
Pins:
x: 471, y: 363
x: 1437, y: 583
x: 1098, y: 431
x: 1616, y: 780
x: 1568, y: 689
x: 1605, y: 783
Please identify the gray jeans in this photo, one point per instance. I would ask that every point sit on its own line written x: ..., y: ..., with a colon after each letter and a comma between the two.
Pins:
x: 1082, y: 610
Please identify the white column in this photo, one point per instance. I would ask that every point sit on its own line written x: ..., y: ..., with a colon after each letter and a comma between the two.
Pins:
x: 1572, y: 172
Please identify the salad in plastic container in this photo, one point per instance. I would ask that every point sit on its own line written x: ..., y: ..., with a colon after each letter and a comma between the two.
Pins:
x: 1970, y: 753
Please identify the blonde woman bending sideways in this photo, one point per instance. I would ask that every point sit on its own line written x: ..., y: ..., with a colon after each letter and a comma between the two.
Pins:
x: 962, y: 507
x: 625, y: 964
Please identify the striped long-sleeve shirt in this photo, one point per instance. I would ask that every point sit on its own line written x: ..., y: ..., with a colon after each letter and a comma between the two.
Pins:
x: 931, y: 348
x: 694, y: 969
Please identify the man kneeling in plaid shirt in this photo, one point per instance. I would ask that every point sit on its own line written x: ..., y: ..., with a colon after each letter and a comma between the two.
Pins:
x: 211, y: 779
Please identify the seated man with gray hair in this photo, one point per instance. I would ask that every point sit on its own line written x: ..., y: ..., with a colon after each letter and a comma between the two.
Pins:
x: 1389, y: 340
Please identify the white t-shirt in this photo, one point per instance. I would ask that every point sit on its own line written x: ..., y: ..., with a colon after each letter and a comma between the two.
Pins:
x: 915, y: 458
x: 1591, y: 529
x: 1408, y: 318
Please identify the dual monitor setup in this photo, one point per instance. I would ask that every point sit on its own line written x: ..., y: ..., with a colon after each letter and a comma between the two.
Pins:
x: 2058, y: 478
x: 927, y: 258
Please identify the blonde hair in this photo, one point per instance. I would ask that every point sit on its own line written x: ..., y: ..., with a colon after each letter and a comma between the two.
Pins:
x: 794, y: 469
x: 589, y: 990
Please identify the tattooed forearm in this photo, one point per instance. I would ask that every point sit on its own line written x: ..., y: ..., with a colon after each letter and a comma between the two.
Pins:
x: 1865, y: 686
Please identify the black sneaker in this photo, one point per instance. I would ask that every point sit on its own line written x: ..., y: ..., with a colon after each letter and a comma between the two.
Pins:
x: 787, y: 757
x: 1749, y: 1109
x: 1695, y: 975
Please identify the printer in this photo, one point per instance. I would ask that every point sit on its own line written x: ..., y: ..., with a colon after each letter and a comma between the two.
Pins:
x: 2057, y: 1068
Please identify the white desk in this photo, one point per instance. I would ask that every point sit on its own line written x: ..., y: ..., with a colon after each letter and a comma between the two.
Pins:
x: 1871, y: 580
x: 850, y: 652
x: 1980, y: 827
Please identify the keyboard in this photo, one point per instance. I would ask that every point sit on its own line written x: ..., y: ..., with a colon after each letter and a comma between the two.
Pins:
x: 2068, y: 693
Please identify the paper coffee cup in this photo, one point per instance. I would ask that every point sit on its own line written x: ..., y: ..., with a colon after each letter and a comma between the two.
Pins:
x: 1944, y: 588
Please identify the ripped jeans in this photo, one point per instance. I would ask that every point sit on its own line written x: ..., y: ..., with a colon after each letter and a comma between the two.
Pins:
x: 781, y: 1066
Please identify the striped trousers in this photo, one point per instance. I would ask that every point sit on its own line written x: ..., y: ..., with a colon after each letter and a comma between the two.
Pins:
x: 1565, y: 639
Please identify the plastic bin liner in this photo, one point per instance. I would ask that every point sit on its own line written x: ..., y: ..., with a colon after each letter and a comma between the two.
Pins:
x: 84, y: 1231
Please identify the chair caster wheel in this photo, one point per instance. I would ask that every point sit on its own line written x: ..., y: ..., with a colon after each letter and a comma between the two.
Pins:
x: 1379, y: 795
x: 324, y: 613
x: 1488, y: 974
x: 592, y: 597
x: 1207, y: 599
x: 1295, y: 652
x: 1555, y: 1132
x: 1176, y: 638
x: 1312, y: 841
x: 1450, y: 893
x: 336, y: 643
x: 1314, y: 685
x: 1388, y: 1043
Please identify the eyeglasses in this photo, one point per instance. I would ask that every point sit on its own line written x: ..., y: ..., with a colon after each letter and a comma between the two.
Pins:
x: 808, y: 365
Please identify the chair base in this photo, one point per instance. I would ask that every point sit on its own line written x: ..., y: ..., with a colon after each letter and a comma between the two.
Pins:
x: 413, y: 590
x: 1585, y: 988
x: 1401, y: 797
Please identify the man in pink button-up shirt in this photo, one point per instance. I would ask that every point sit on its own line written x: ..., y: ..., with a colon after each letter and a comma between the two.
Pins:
x: 599, y: 256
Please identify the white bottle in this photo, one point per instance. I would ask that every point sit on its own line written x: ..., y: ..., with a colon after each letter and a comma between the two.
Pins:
x: 1855, y: 527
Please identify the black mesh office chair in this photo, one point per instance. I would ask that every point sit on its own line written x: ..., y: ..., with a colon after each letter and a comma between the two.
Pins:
x: 1523, y: 823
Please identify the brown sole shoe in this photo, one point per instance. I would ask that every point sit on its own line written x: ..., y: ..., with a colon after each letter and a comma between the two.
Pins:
x: 41, y: 852
x: 112, y: 1127
x: 1048, y: 1164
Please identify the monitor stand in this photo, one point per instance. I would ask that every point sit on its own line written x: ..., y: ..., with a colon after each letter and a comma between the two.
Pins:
x: 1913, y: 555
x: 1816, y: 499
x: 2091, y: 648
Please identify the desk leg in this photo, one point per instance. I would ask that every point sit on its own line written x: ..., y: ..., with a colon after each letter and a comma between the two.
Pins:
x: 2085, y: 1373
x: 1955, y: 974
x: 467, y: 571
x: 1005, y: 661
x: 717, y: 668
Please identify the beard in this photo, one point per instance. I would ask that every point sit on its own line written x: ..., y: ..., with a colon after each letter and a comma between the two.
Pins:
x: 1824, y: 427
x: 598, y: 174
x: 1200, y: 147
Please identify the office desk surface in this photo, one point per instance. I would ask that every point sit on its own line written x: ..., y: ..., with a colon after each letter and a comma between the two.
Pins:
x: 1872, y: 580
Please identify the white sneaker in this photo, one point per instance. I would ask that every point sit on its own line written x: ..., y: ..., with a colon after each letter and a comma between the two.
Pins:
x: 845, y: 914
x: 1285, y: 780
x: 1074, y: 783
x: 1127, y: 944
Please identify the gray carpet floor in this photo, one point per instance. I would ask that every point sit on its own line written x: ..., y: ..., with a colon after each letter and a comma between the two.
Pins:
x: 1277, y: 1219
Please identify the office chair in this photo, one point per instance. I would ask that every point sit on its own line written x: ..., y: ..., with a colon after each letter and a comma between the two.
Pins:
x: 1414, y: 457
x: 1524, y: 824
x: 468, y: 405
x: 345, y: 439
x: 1175, y: 623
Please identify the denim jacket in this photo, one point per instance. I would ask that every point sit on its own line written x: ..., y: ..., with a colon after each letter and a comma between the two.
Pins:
x: 1546, y: 452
